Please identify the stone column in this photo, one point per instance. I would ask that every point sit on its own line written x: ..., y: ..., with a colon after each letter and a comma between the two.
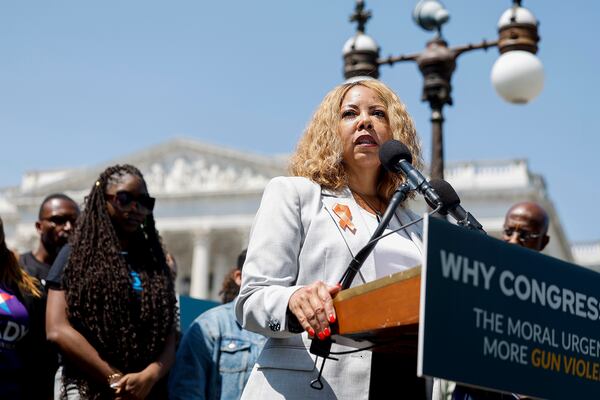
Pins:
x: 244, y: 235
x: 221, y: 268
x: 200, y: 264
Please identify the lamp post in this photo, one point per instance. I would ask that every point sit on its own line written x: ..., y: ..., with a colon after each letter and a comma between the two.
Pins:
x: 517, y: 75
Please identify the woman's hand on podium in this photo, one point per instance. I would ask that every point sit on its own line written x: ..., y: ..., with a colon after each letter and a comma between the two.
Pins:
x: 313, y: 307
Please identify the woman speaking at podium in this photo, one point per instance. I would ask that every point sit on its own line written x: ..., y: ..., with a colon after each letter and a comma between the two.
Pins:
x: 305, y: 233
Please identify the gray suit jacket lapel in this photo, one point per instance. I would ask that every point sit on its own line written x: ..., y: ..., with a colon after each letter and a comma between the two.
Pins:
x: 354, y: 241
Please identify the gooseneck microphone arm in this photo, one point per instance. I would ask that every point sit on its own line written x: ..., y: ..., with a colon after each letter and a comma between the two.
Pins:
x: 397, y: 158
x: 418, y: 181
x: 467, y: 220
x: 452, y: 206
x: 360, y: 257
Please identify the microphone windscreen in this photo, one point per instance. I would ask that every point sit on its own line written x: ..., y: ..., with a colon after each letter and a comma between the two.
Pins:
x: 447, y: 195
x: 391, y: 152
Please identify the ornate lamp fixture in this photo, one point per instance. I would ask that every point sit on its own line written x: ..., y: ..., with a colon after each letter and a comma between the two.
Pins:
x: 517, y: 75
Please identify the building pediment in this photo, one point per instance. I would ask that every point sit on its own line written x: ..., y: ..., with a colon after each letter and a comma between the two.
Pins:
x: 177, y: 167
x: 202, y: 186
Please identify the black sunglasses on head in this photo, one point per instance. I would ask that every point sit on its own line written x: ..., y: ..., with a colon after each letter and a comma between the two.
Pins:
x: 125, y: 199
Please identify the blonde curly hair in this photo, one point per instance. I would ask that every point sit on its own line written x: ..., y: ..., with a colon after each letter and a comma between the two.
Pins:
x: 318, y: 155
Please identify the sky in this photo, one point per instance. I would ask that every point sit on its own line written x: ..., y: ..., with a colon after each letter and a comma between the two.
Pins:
x: 82, y: 83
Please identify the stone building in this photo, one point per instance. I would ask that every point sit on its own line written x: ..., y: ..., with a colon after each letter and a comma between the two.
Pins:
x: 207, y: 197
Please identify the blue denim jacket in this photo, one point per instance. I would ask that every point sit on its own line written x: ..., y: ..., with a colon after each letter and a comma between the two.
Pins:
x: 215, y: 357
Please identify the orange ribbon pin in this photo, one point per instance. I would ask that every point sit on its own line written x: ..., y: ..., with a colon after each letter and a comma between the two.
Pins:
x: 343, y: 212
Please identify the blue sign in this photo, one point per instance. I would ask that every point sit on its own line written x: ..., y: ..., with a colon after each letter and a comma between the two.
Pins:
x: 190, y: 308
x: 500, y: 316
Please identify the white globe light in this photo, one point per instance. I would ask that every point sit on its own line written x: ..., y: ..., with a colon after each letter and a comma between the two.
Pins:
x: 360, y: 42
x: 521, y: 15
x: 430, y: 14
x: 518, y: 76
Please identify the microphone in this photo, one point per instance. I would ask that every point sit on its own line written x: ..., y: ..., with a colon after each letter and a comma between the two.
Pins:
x: 396, y: 157
x: 358, y: 260
x: 451, y: 205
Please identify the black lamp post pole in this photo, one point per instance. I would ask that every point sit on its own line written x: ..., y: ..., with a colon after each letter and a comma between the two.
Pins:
x: 437, y: 63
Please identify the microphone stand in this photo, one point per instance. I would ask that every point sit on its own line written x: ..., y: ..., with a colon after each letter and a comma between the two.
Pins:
x: 471, y: 223
x: 360, y: 257
x: 322, y: 348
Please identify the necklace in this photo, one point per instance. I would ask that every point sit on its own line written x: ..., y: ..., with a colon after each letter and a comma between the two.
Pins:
x: 370, y: 207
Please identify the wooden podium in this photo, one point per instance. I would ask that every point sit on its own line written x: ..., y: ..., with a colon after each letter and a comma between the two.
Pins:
x: 384, y: 312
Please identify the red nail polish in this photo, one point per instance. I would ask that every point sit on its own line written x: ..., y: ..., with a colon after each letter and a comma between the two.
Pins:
x: 321, y: 336
x: 311, y: 332
x: 327, y: 332
x: 331, y: 318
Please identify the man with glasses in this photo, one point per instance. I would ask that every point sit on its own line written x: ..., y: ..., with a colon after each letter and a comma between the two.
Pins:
x: 56, y: 221
x: 526, y: 224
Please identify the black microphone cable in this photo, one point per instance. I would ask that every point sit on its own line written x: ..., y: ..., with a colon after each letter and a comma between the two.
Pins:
x: 372, y: 243
x: 357, y: 260
x: 356, y: 263
x: 322, y: 348
x: 375, y: 240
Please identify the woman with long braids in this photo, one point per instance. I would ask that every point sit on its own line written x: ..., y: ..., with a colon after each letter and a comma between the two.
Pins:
x: 25, y: 363
x: 111, y: 302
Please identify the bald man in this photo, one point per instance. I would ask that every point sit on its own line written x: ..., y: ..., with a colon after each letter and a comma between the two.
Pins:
x: 526, y: 224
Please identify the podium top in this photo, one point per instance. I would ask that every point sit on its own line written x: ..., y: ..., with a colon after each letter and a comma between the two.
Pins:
x: 383, y: 311
x: 377, y: 284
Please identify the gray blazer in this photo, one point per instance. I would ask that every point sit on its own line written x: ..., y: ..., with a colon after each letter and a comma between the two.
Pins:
x: 296, y: 240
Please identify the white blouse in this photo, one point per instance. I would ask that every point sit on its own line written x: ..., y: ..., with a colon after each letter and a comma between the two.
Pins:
x: 394, y: 253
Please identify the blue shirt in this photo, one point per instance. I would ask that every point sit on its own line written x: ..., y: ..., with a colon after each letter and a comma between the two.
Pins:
x: 215, y: 357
